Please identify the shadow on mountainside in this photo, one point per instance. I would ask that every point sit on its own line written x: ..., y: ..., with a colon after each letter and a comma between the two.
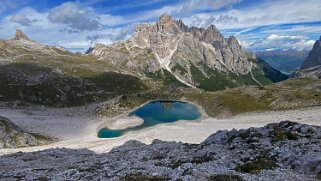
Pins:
x: 31, y: 83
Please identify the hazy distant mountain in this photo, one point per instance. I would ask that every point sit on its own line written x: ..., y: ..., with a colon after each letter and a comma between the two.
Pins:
x: 285, y: 61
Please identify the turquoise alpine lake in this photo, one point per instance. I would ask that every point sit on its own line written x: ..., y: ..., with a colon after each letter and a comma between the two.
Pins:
x: 157, y: 112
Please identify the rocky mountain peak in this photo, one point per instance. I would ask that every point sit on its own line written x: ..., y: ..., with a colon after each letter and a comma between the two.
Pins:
x: 232, y: 40
x: 317, y: 44
x: 20, y: 35
x: 191, y: 55
x: 181, y: 25
x: 314, y: 58
x: 165, y: 22
x: 165, y: 19
x: 211, y: 35
x: 212, y: 28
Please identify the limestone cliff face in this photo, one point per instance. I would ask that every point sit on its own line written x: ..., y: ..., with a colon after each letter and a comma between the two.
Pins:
x: 162, y: 38
x: 194, y: 56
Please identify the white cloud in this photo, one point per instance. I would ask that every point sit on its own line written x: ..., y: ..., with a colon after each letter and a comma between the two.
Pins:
x: 113, y: 35
x: 75, y: 17
x: 267, y: 13
x: 52, y: 27
x: 279, y: 42
x: 198, y: 5
x: 180, y: 9
x: 295, y: 30
x: 46, y: 32
x: 22, y: 19
x: 10, y: 4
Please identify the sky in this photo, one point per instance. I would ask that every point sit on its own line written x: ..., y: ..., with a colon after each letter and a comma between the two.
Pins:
x: 259, y: 25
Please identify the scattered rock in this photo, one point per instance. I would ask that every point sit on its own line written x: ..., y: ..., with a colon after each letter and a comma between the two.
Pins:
x: 271, y: 152
x: 11, y: 136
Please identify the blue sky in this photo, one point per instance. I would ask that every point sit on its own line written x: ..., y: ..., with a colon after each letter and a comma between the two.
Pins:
x: 258, y: 24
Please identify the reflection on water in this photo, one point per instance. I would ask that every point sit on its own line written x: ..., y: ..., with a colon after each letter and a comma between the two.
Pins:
x: 157, y: 112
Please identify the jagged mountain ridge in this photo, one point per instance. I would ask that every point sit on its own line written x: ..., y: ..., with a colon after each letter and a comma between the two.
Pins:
x: 314, y: 57
x: 155, y: 57
x: 311, y: 66
x: 197, y: 57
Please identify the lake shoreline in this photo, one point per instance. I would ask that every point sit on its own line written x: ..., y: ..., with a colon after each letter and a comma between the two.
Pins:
x: 57, y: 123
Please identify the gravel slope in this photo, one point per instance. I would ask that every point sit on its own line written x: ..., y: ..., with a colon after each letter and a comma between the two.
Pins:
x: 77, y: 129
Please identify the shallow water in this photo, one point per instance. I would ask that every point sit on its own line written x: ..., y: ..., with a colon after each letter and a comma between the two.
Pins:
x: 157, y: 112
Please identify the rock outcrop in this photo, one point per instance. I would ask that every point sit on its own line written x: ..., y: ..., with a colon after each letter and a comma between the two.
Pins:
x: 196, y: 57
x: 20, y: 45
x: 20, y: 35
x: 11, y: 136
x: 313, y: 72
x: 281, y: 151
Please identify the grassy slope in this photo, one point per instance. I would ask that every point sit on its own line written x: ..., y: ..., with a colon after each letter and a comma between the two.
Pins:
x: 223, y: 80
x: 58, y: 78
x: 35, y: 84
x: 292, y: 93
x: 219, y: 80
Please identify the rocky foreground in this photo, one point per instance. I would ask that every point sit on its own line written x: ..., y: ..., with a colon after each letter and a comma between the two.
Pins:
x: 283, y: 151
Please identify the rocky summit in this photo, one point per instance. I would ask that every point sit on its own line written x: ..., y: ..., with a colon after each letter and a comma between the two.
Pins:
x: 20, y: 35
x: 280, y: 151
x: 196, y: 57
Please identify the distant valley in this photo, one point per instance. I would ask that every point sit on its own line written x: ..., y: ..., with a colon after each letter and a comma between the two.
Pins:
x: 285, y: 61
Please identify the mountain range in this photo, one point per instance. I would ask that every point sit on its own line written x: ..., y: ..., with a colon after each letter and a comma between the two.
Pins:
x: 167, y: 53
x: 286, y: 61
x: 196, y: 57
